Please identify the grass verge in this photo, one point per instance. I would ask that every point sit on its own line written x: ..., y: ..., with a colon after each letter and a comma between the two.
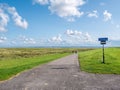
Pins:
x: 91, y: 61
x: 11, y: 67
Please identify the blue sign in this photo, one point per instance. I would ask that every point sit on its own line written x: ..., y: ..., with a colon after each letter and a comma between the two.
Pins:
x: 103, y: 39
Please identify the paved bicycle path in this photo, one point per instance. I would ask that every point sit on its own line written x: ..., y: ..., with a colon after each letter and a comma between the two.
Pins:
x: 62, y: 74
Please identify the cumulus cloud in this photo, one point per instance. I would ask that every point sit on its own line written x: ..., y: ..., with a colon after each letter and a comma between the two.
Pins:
x: 42, y: 2
x: 26, y: 40
x: 2, y: 39
x: 71, y: 32
x: 13, y: 42
x: 29, y: 41
x: 72, y: 37
x: 19, y: 21
x: 5, y: 12
x: 75, y: 36
x: 4, y: 18
x: 107, y: 15
x: 88, y: 37
x: 56, y: 39
x: 68, y: 9
x: 93, y: 14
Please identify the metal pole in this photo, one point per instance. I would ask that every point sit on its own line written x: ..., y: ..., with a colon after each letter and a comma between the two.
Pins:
x: 103, y: 55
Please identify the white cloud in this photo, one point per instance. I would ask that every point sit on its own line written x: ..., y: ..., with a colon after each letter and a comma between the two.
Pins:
x: 88, y: 37
x: 4, y: 18
x: 26, y: 40
x: 56, y: 39
x: 5, y: 12
x: 2, y: 39
x: 71, y: 32
x: 77, y: 37
x: 93, y: 14
x: 71, y: 19
x: 29, y: 41
x: 42, y: 2
x: 107, y: 15
x: 67, y: 9
x: 13, y: 42
x: 70, y: 37
x: 19, y: 21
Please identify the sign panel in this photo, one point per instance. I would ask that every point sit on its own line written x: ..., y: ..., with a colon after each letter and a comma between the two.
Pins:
x: 103, y: 42
x: 103, y: 39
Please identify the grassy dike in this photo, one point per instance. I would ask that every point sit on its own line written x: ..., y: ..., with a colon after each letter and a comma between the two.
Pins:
x: 91, y: 61
x: 9, y: 68
x: 14, y: 61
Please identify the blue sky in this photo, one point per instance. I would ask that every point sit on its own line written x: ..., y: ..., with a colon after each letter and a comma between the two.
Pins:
x: 59, y: 22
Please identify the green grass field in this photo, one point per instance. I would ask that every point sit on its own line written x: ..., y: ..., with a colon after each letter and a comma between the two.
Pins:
x: 13, y: 61
x: 9, y: 67
x: 91, y: 61
x: 16, y: 60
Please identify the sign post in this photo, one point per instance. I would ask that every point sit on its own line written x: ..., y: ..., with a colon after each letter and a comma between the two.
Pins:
x: 103, y: 42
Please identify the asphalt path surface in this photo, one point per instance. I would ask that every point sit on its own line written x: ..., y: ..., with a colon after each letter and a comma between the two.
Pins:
x: 62, y: 74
